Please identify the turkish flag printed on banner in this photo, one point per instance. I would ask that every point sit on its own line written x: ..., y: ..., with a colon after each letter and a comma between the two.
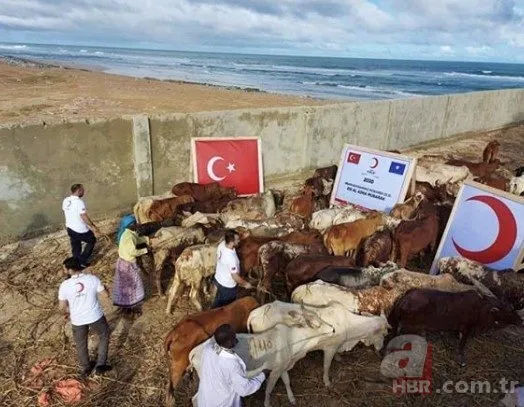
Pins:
x: 230, y: 162
x: 353, y: 158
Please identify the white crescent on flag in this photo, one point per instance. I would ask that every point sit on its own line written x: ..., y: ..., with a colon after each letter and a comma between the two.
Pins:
x: 210, y: 170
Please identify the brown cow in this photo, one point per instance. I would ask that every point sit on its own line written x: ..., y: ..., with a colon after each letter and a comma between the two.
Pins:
x: 345, y: 238
x: 491, y: 151
x: 406, y: 210
x: 210, y: 206
x: 375, y: 249
x: 326, y: 172
x: 194, y: 329
x: 414, y: 236
x: 304, y: 204
x: 203, y: 192
x: 477, y: 169
x: 433, y: 310
x: 248, y: 248
x: 305, y: 267
x: 166, y: 208
x: 275, y: 255
x: 494, y: 181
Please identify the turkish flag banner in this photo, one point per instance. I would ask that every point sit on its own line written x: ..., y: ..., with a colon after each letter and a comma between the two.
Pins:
x: 232, y: 162
x: 485, y: 226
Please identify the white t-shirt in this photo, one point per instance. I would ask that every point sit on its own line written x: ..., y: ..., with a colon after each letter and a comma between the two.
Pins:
x: 80, y: 291
x: 73, y: 207
x: 227, y: 263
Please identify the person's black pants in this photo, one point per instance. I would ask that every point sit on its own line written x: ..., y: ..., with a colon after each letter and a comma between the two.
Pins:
x: 225, y: 295
x: 76, y: 244
x: 80, y: 334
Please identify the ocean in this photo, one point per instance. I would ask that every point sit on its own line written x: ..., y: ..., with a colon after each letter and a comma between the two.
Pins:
x: 319, y: 77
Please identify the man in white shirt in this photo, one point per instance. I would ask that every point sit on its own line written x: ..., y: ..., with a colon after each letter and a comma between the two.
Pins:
x: 227, y: 271
x: 223, y: 379
x: 79, y: 226
x: 78, y: 297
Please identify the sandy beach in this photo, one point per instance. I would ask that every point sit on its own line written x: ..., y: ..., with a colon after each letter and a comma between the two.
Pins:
x: 36, y: 93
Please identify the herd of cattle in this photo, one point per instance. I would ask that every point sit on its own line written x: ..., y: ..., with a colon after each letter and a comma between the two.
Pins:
x: 343, y: 268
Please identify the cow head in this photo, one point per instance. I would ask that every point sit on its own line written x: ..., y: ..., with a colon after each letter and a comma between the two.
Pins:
x: 501, y: 314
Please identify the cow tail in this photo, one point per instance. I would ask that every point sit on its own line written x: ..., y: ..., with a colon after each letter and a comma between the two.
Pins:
x: 167, y: 347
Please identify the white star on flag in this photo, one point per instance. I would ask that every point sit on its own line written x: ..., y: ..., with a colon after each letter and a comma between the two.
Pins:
x: 231, y: 167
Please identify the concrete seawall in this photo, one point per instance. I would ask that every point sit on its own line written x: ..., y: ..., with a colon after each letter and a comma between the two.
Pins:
x: 120, y: 159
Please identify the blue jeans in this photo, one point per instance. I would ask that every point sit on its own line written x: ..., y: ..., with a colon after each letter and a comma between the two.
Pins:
x: 225, y: 295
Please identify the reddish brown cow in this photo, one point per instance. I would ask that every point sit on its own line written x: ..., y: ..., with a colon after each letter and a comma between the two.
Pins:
x: 304, y: 204
x: 415, y: 236
x: 195, y: 329
x: 203, y: 192
x: 375, y: 249
x: 433, y: 310
x: 275, y: 255
x: 305, y: 267
x: 491, y: 151
x: 477, y: 169
x: 326, y: 172
x: 166, y: 208
x: 211, y: 206
x: 494, y: 181
x: 316, y: 185
x: 248, y: 248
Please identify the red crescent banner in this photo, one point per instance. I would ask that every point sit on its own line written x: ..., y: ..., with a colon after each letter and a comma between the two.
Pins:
x: 232, y: 162
x: 485, y: 226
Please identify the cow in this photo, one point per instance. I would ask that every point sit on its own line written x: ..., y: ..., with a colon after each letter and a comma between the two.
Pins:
x: 280, y: 220
x: 277, y: 349
x: 497, y: 182
x: 415, y: 236
x: 406, y: 210
x: 491, y: 151
x: 481, y: 169
x: 464, y: 312
x: 304, y: 204
x: 276, y: 254
x: 248, y: 248
x: 505, y: 284
x: 345, y: 238
x: 373, y: 300
x: 193, y: 267
x: 194, y: 329
x: 516, y: 184
x: 319, y: 186
x: 355, y: 277
x: 375, y: 249
x: 252, y: 208
x: 323, y: 219
x: 203, y: 192
x: 167, y: 208
x: 305, y: 267
x: 209, y: 206
x: 169, y: 242
x: 326, y: 173
x: 436, y: 193
x: 349, y: 328
x: 431, y: 172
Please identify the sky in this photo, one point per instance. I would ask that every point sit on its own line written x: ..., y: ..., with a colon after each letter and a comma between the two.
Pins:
x: 473, y: 30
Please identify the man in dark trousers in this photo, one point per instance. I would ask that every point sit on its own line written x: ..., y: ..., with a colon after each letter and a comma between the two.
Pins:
x: 78, y: 298
x: 227, y: 274
x: 79, y: 226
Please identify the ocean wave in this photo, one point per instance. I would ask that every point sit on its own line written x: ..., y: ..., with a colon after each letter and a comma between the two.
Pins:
x: 485, y: 76
x: 13, y: 46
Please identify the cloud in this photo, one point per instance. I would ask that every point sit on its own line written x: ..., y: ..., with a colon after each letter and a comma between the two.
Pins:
x: 479, y: 27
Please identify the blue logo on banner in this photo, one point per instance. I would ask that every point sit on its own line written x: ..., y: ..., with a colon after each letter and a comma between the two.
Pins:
x: 397, y: 168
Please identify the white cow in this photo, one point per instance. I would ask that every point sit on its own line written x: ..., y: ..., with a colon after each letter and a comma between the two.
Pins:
x: 276, y: 349
x: 516, y: 185
x: 349, y: 328
x: 253, y: 208
x: 195, y: 265
x: 323, y: 219
x: 433, y: 172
